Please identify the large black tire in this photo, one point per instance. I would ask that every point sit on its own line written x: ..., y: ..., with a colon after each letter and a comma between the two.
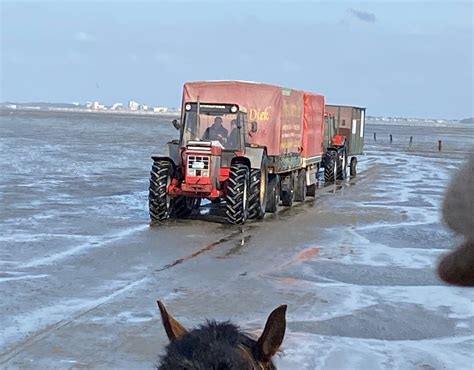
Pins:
x: 258, y: 191
x: 184, y: 206
x: 288, y: 195
x: 237, y: 194
x: 353, y: 168
x: 342, y: 167
x: 273, y: 193
x: 330, y: 167
x: 159, y: 201
x: 300, y: 190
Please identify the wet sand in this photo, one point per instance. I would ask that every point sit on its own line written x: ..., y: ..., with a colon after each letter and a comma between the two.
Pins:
x: 81, y: 269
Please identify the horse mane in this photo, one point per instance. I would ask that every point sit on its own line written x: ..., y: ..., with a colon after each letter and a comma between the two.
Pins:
x: 210, y: 346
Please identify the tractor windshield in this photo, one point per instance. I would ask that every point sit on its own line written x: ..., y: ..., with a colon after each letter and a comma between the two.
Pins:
x: 330, y: 130
x: 213, y: 126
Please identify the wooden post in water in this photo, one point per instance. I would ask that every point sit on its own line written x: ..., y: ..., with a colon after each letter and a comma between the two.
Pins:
x: 439, y: 145
x: 391, y: 138
x: 375, y: 136
x: 411, y: 140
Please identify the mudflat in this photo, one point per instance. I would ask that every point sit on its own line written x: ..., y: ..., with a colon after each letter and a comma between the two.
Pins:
x: 81, y: 268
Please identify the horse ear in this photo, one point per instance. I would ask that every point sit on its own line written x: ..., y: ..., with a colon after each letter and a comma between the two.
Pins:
x: 272, y: 336
x: 173, y: 329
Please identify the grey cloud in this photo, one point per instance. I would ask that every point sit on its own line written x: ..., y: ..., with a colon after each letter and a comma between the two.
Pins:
x: 363, y: 16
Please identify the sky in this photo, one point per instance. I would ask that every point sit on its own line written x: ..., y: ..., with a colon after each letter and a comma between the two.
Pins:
x: 403, y: 58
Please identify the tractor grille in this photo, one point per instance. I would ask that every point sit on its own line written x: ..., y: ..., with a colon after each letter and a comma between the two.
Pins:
x: 198, y: 165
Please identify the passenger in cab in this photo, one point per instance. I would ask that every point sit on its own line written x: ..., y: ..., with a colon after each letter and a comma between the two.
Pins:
x: 233, y: 142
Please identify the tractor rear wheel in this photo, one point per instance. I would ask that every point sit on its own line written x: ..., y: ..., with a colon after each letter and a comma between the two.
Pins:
x: 159, y: 201
x: 300, y: 190
x: 273, y: 195
x: 258, y: 191
x: 353, y: 168
x: 330, y: 167
x: 183, y: 206
x: 237, y: 194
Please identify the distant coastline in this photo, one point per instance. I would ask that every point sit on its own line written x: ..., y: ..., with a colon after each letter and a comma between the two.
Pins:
x: 418, y: 123
x: 85, y: 111
x: 468, y: 123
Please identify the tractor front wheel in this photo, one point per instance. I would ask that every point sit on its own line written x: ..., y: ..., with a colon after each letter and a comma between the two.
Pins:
x: 237, y: 194
x: 258, y: 191
x: 159, y: 201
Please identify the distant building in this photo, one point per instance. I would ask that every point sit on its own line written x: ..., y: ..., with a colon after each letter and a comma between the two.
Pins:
x: 10, y: 106
x: 143, y: 107
x: 97, y: 106
x: 133, y: 105
x: 117, y: 106
x: 160, y: 109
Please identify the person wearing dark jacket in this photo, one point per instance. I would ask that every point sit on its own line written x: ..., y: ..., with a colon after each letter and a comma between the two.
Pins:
x: 233, y: 141
x: 216, y: 132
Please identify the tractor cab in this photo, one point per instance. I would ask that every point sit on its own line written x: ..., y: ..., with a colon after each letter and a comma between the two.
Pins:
x: 221, y: 125
x: 212, y: 135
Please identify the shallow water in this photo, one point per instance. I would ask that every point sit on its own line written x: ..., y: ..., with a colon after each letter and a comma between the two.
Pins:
x: 82, y: 269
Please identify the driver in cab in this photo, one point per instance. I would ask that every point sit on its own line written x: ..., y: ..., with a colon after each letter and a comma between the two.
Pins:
x: 216, y: 132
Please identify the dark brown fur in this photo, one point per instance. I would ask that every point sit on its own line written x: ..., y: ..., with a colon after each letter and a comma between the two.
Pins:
x: 221, y: 345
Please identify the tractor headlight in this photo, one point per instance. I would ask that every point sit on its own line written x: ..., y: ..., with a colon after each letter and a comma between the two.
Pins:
x: 234, y: 109
x: 188, y: 107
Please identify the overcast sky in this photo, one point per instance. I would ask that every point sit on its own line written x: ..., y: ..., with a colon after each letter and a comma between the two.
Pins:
x: 396, y: 58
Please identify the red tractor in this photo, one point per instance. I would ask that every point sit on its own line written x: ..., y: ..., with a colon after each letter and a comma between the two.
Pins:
x: 210, y: 162
x: 344, y: 138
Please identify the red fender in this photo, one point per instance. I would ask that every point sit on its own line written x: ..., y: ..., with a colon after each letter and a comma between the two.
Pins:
x: 338, y: 140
